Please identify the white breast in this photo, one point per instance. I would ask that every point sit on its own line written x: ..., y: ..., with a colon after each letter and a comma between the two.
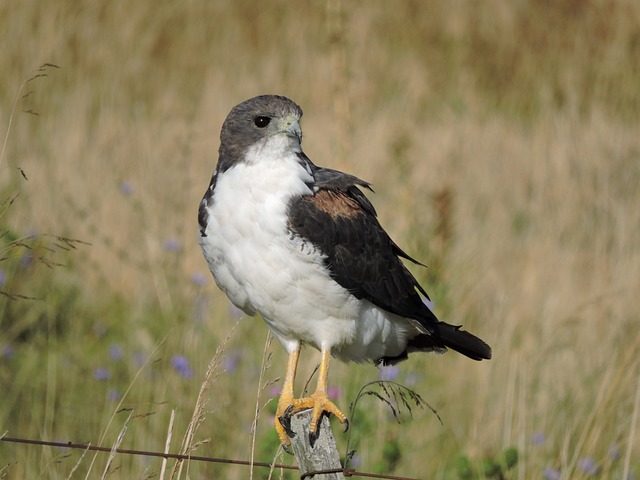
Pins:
x: 263, y: 268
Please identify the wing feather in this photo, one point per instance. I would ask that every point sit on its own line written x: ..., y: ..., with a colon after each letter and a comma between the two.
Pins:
x: 360, y: 256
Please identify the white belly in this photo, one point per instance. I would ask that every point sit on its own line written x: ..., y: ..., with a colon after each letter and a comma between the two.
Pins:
x: 263, y: 268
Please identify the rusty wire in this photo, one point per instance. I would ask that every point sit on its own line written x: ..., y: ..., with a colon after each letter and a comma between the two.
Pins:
x: 347, y: 472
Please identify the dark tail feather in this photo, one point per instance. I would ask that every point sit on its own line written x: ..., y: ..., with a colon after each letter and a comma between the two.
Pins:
x: 463, y: 342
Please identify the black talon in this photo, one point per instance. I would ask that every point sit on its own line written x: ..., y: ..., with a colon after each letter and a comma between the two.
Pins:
x: 285, y: 421
x: 288, y: 449
x: 346, y: 424
x: 313, y: 436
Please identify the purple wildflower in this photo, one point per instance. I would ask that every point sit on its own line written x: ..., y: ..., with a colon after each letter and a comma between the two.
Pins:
x: 539, y: 438
x: 333, y: 392
x: 116, y: 352
x: 389, y: 373
x: 275, y: 390
x: 172, y: 245
x: 588, y: 466
x: 614, y: 452
x: 198, y: 279
x: 8, y: 352
x: 126, y: 188
x: 3, y: 277
x: 230, y: 362
x: 26, y: 260
x: 181, y: 365
x: 551, y: 474
x: 101, y: 374
x: 139, y: 358
x: 356, y: 461
x: 113, y: 395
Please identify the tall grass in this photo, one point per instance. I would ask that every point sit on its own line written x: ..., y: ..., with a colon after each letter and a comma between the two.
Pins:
x: 502, y: 141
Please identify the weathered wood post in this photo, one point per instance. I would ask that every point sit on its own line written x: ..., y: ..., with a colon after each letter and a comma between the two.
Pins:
x: 324, y: 453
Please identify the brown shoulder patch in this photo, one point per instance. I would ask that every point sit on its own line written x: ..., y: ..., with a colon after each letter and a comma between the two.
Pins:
x: 335, y: 204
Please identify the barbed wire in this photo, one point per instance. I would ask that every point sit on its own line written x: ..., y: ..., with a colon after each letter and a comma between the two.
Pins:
x: 347, y: 472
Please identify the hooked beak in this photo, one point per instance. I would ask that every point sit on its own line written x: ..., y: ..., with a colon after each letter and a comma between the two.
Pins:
x: 291, y: 127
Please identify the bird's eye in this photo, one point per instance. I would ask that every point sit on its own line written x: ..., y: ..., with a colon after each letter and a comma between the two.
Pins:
x: 261, y: 121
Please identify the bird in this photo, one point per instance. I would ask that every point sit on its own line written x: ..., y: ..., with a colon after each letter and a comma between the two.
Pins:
x: 302, y: 246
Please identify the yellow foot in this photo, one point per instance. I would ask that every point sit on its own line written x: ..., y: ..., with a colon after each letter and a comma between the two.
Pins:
x: 283, y: 429
x: 319, y: 402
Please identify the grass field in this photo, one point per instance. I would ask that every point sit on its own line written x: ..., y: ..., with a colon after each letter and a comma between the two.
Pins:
x: 502, y: 139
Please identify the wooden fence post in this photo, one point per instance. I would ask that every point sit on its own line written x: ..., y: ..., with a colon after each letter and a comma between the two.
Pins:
x: 324, y: 453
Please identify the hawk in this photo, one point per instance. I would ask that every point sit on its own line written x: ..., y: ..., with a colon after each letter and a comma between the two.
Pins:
x: 302, y: 246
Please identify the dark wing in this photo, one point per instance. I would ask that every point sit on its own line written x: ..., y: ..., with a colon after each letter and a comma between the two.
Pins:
x: 204, y: 203
x: 361, y: 257
x: 336, y: 181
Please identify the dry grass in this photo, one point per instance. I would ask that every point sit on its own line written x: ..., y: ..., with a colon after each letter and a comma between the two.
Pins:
x: 523, y: 116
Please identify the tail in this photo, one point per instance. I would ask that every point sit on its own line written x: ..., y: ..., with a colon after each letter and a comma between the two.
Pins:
x: 443, y: 336
x: 463, y: 342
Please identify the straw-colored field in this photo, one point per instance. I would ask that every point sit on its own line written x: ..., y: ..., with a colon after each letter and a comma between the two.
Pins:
x: 503, y: 142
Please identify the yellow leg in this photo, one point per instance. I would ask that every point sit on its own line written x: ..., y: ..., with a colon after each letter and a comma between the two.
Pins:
x: 286, y: 399
x: 319, y: 400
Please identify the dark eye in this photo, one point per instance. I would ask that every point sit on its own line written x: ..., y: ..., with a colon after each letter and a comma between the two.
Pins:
x: 261, y: 121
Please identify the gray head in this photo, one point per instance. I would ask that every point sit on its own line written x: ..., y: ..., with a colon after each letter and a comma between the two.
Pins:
x: 256, y: 120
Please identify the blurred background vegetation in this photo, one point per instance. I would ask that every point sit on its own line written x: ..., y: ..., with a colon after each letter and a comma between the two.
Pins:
x: 502, y: 139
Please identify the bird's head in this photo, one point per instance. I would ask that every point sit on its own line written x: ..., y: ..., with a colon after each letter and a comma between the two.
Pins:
x: 260, y: 120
